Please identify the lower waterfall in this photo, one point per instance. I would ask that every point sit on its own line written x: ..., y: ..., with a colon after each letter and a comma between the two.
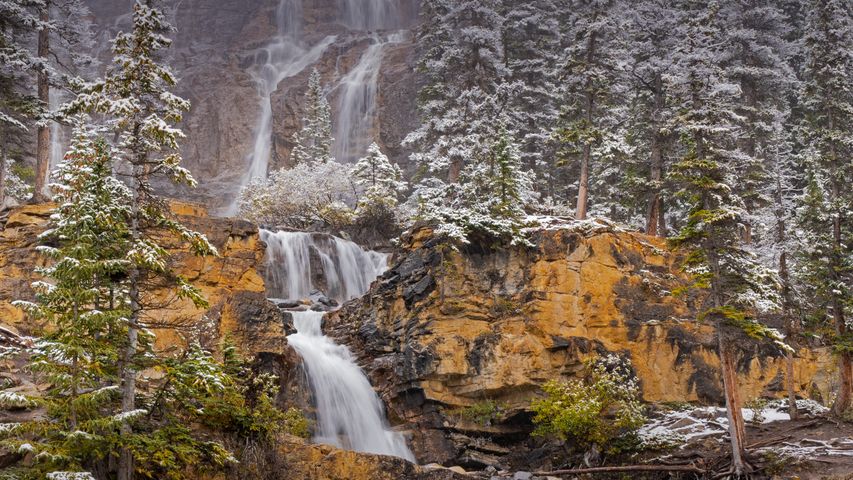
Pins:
x: 349, y: 413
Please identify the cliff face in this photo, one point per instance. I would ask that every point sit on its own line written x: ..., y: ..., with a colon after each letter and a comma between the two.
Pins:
x: 218, y: 55
x: 447, y: 329
x: 232, y: 283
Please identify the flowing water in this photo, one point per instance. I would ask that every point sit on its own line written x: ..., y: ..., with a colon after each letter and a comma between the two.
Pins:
x: 349, y: 414
x: 342, y: 269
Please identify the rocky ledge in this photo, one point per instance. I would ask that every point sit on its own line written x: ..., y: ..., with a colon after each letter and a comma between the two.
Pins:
x: 446, y: 328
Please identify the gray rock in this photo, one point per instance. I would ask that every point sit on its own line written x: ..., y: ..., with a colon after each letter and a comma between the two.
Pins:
x: 522, y: 476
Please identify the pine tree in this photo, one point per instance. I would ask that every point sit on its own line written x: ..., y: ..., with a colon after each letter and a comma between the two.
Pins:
x: 313, y: 143
x: 134, y: 95
x: 62, y: 35
x: 592, y: 71
x: 650, y: 116
x: 83, y: 302
x: 467, y: 94
x: 736, y: 285
x: 380, y: 180
x: 18, y: 106
x: 826, y: 216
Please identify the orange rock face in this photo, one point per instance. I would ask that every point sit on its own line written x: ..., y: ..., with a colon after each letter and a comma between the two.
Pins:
x: 231, y: 282
x: 453, y: 328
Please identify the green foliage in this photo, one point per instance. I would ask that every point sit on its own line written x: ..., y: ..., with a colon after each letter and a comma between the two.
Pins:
x: 596, y: 410
x: 757, y: 406
x: 483, y: 413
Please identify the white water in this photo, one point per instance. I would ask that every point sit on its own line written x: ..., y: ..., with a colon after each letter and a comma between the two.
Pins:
x: 285, y: 56
x: 356, y: 112
x: 349, y: 413
x: 348, y: 268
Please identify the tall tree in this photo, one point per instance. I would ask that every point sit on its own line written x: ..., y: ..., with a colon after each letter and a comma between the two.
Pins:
x: 592, y: 70
x: 313, y: 142
x: 83, y: 304
x: 825, y: 217
x: 736, y: 285
x: 135, y: 96
x: 18, y: 106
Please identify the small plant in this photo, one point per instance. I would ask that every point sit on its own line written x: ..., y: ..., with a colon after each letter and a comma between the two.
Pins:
x: 296, y: 423
x: 482, y: 413
x: 757, y: 406
x: 505, y: 307
x: 593, y: 411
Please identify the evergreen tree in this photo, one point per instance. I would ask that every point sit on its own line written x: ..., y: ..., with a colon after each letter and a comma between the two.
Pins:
x: 134, y: 95
x: 313, y: 143
x: 650, y: 122
x: 18, y: 106
x: 466, y: 93
x: 592, y: 82
x: 84, y: 305
x: 736, y: 285
x: 826, y: 216
x: 380, y: 180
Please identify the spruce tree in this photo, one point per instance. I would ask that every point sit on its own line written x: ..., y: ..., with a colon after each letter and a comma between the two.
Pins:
x: 82, y: 301
x: 826, y: 216
x: 737, y: 287
x: 135, y: 97
x: 313, y: 142
x: 592, y: 72
x: 380, y: 180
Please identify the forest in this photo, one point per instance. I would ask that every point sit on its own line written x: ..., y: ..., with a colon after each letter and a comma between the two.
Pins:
x: 657, y: 172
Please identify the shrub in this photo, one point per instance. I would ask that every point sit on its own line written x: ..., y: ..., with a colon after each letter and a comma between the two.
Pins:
x: 592, y: 411
x: 482, y: 413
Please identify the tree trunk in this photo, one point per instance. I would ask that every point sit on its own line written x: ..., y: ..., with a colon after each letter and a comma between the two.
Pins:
x: 737, y: 431
x: 43, y: 132
x: 655, y: 208
x: 454, y: 171
x: 789, y: 321
x: 128, y: 391
x: 3, y: 166
x: 583, y: 185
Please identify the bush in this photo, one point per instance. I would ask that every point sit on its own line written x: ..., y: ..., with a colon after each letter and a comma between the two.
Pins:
x: 482, y: 413
x: 593, y: 411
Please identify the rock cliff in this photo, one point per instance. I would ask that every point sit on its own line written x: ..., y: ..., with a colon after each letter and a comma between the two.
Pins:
x: 444, y: 329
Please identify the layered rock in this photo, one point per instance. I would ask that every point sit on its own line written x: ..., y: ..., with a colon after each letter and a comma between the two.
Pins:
x: 231, y: 282
x: 445, y: 328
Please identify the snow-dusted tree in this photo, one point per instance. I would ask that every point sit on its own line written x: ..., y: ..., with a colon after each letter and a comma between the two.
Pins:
x: 593, y: 71
x: 736, y: 285
x: 757, y: 32
x: 380, y: 181
x: 826, y: 217
x: 650, y: 118
x: 313, y: 143
x: 487, y: 204
x: 135, y: 97
x: 531, y: 40
x: 305, y: 196
x: 84, y: 304
x: 18, y: 105
x: 466, y: 92
x: 63, y: 36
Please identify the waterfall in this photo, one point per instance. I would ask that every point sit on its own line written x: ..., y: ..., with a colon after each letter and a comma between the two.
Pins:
x: 285, y: 56
x: 349, y: 413
x: 357, y: 101
x: 296, y: 260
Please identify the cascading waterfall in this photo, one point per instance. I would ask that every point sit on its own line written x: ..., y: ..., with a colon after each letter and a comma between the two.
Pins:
x: 284, y: 57
x: 349, y: 413
x: 357, y: 101
x: 346, y: 268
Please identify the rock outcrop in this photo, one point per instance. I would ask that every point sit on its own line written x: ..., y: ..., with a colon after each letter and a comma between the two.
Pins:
x: 445, y: 328
x: 232, y: 283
